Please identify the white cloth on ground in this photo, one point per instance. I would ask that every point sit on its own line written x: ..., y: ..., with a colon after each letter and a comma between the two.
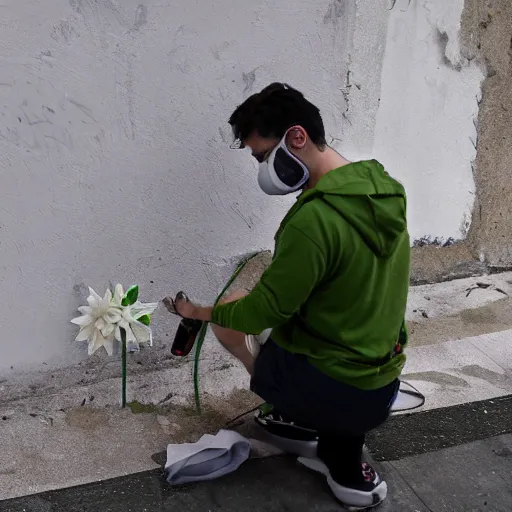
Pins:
x: 211, y: 457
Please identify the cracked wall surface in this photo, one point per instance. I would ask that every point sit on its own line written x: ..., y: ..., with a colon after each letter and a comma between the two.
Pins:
x: 486, y: 38
x: 425, y: 131
x: 115, y: 151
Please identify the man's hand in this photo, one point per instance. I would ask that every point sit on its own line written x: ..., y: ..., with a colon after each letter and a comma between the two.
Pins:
x: 184, y: 307
x: 188, y: 309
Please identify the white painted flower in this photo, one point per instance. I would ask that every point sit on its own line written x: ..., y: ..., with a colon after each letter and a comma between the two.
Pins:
x: 102, y: 320
x: 98, y: 322
x: 136, y: 331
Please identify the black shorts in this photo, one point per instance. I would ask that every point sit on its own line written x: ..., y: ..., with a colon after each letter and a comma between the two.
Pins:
x: 309, y: 397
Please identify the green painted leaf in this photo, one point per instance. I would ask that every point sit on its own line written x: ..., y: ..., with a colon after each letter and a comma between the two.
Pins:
x: 144, y: 319
x: 131, y: 295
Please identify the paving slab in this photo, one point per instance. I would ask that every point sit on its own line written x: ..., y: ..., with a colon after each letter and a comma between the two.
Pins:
x: 474, y: 477
x: 274, y: 485
x: 497, y: 346
x: 405, y: 435
x: 461, y: 371
x: 400, y: 495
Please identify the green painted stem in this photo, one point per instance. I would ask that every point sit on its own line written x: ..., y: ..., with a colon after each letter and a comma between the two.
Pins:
x: 202, y: 333
x: 123, y: 368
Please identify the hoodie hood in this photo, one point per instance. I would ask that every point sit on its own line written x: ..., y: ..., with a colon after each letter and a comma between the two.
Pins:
x: 369, y: 199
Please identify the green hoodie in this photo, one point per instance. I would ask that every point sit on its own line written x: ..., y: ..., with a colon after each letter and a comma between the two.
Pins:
x: 336, y: 289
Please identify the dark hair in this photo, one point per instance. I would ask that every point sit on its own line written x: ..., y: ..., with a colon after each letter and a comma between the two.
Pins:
x: 275, y: 109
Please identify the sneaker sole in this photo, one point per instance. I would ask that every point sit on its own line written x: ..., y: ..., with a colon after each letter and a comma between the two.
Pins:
x: 379, y: 494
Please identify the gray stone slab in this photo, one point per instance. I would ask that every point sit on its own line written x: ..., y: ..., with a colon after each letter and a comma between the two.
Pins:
x: 474, y: 477
x: 405, y: 435
x: 457, y: 372
x: 401, y: 498
x: 274, y: 485
x: 470, y: 478
x: 497, y: 346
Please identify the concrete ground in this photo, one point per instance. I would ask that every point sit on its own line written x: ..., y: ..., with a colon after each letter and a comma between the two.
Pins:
x: 467, y: 478
x: 68, y: 430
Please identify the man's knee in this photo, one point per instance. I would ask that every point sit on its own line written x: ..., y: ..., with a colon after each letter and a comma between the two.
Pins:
x: 232, y: 297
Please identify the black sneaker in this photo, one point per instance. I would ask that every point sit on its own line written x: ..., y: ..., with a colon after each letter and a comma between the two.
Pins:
x: 369, y: 493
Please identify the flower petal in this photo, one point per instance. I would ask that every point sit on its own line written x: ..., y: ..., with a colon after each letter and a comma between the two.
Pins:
x: 94, y: 299
x: 127, y: 314
x: 112, y: 316
x: 108, y: 330
x: 96, y: 342
x: 123, y: 324
x: 104, y: 317
x: 118, y: 295
x: 129, y: 335
x: 142, y: 333
x: 109, y: 345
x: 85, y: 333
x: 140, y: 309
x: 100, y: 324
x: 106, y: 300
x: 82, y: 320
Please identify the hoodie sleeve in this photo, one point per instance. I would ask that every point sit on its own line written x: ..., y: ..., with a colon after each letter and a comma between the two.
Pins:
x: 299, y: 264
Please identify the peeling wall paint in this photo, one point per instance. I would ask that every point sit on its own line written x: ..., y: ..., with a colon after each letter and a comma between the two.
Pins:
x: 426, y: 123
x: 114, y: 142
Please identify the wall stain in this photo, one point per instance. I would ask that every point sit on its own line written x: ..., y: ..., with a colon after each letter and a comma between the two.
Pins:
x: 46, y: 57
x: 175, y: 52
x: 76, y: 5
x: 442, y: 43
x: 87, y: 111
x: 80, y: 290
x: 392, y: 3
x: 335, y: 11
x: 223, y: 136
x: 218, y: 49
x: 438, y: 378
x: 249, y: 79
x: 141, y: 17
x: 114, y: 9
x: 63, y: 31
x: 239, y: 212
x: 478, y: 372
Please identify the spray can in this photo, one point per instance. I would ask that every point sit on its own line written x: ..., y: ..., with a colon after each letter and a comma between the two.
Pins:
x: 187, y: 330
x: 185, y: 337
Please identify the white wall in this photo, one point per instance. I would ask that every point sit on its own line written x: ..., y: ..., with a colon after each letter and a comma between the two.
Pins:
x: 114, y: 144
x: 426, y: 123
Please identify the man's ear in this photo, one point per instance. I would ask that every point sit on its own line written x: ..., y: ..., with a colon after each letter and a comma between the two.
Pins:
x: 296, y: 137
